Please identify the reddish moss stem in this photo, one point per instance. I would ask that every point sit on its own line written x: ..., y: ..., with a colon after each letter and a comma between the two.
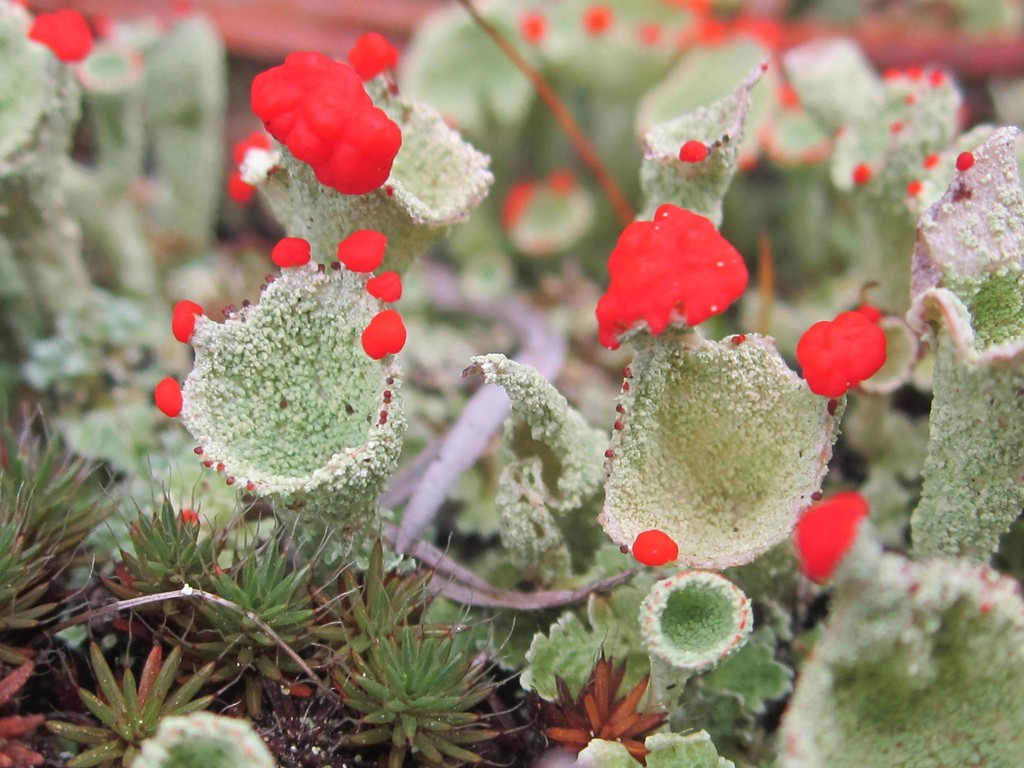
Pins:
x: 561, y: 114
x: 765, y: 283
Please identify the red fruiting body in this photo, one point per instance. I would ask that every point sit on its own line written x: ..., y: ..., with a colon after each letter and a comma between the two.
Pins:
x: 386, y: 287
x: 964, y: 161
x: 896, y: 126
x: 597, y: 19
x: 788, y: 97
x: 672, y: 270
x: 363, y: 250
x: 825, y: 533
x: 385, y: 335
x: 516, y: 202
x: 655, y: 548
x: 319, y: 109
x: 861, y: 174
x: 239, y: 191
x: 931, y: 161
x: 290, y: 252
x: 561, y: 181
x: 839, y: 354
x: 872, y: 313
x: 167, y: 396
x: 937, y: 78
x: 533, y: 26
x: 650, y: 34
x: 63, y: 32
x: 183, y: 319
x: 913, y: 187
x: 372, y: 54
x: 189, y: 516
x: 255, y: 140
x: 693, y: 151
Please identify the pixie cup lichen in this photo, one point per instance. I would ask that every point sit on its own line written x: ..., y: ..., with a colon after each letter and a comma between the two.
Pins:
x: 284, y: 402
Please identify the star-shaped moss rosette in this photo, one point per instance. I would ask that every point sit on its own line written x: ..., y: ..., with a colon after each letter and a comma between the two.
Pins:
x: 696, y: 181
x: 553, y: 462
x: 968, y: 295
x: 719, y: 445
x: 920, y: 665
x: 285, y: 402
x: 432, y: 181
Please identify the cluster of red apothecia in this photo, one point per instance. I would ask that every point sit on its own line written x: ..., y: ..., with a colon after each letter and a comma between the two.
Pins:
x: 362, y: 251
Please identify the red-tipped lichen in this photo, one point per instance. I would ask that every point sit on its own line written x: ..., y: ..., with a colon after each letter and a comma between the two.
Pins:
x: 319, y: 109
x: 385, y: 335
x: 372, y: 54
x: 837, y: 355
x: 363, y: 250
x: 63, y: 32
x: 826, y: 532
x: 674, y: 269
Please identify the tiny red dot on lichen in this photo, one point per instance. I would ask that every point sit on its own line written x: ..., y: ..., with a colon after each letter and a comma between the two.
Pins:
x: 837, y: 355
x: 896, y: 126
x: 914, y: 187
x: 561, y: 181
x: 239, y: 191
x: 371, y: 55
x: 861, y: 174
x: 183, y: 319
x: 826, y: 532
x: 167, y: 396
x: 64, y: 32
x: 693, y: 151
x: 931, y: 161
x: 533, y: 26
x: 788, y: 96
x: 385, y: 335
x: 655, y: 548
x: 290, y: 252
x: 964, y: 161
x: 871, y: 312
x: 255, y: 140
x: 597, y: 20
x: 386, y: 287
x: 936, y: 78
x: 650, y: 34
x: 516, y: 202
x: 363, y: 250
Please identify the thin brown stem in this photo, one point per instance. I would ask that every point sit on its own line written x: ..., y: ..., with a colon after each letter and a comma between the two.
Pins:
x: 765, y: 284
x: 192, y: 593
x: 561, y: 114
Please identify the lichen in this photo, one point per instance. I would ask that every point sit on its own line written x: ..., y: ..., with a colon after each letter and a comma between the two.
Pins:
x: 721, y: 446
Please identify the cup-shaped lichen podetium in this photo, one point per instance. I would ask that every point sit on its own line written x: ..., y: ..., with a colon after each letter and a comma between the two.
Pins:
x: 968, y: 293
x: 285, y: 403
x: 695, y: 619
x: 717, y: 444
x: 921, y: 664
x: 203, y: 738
